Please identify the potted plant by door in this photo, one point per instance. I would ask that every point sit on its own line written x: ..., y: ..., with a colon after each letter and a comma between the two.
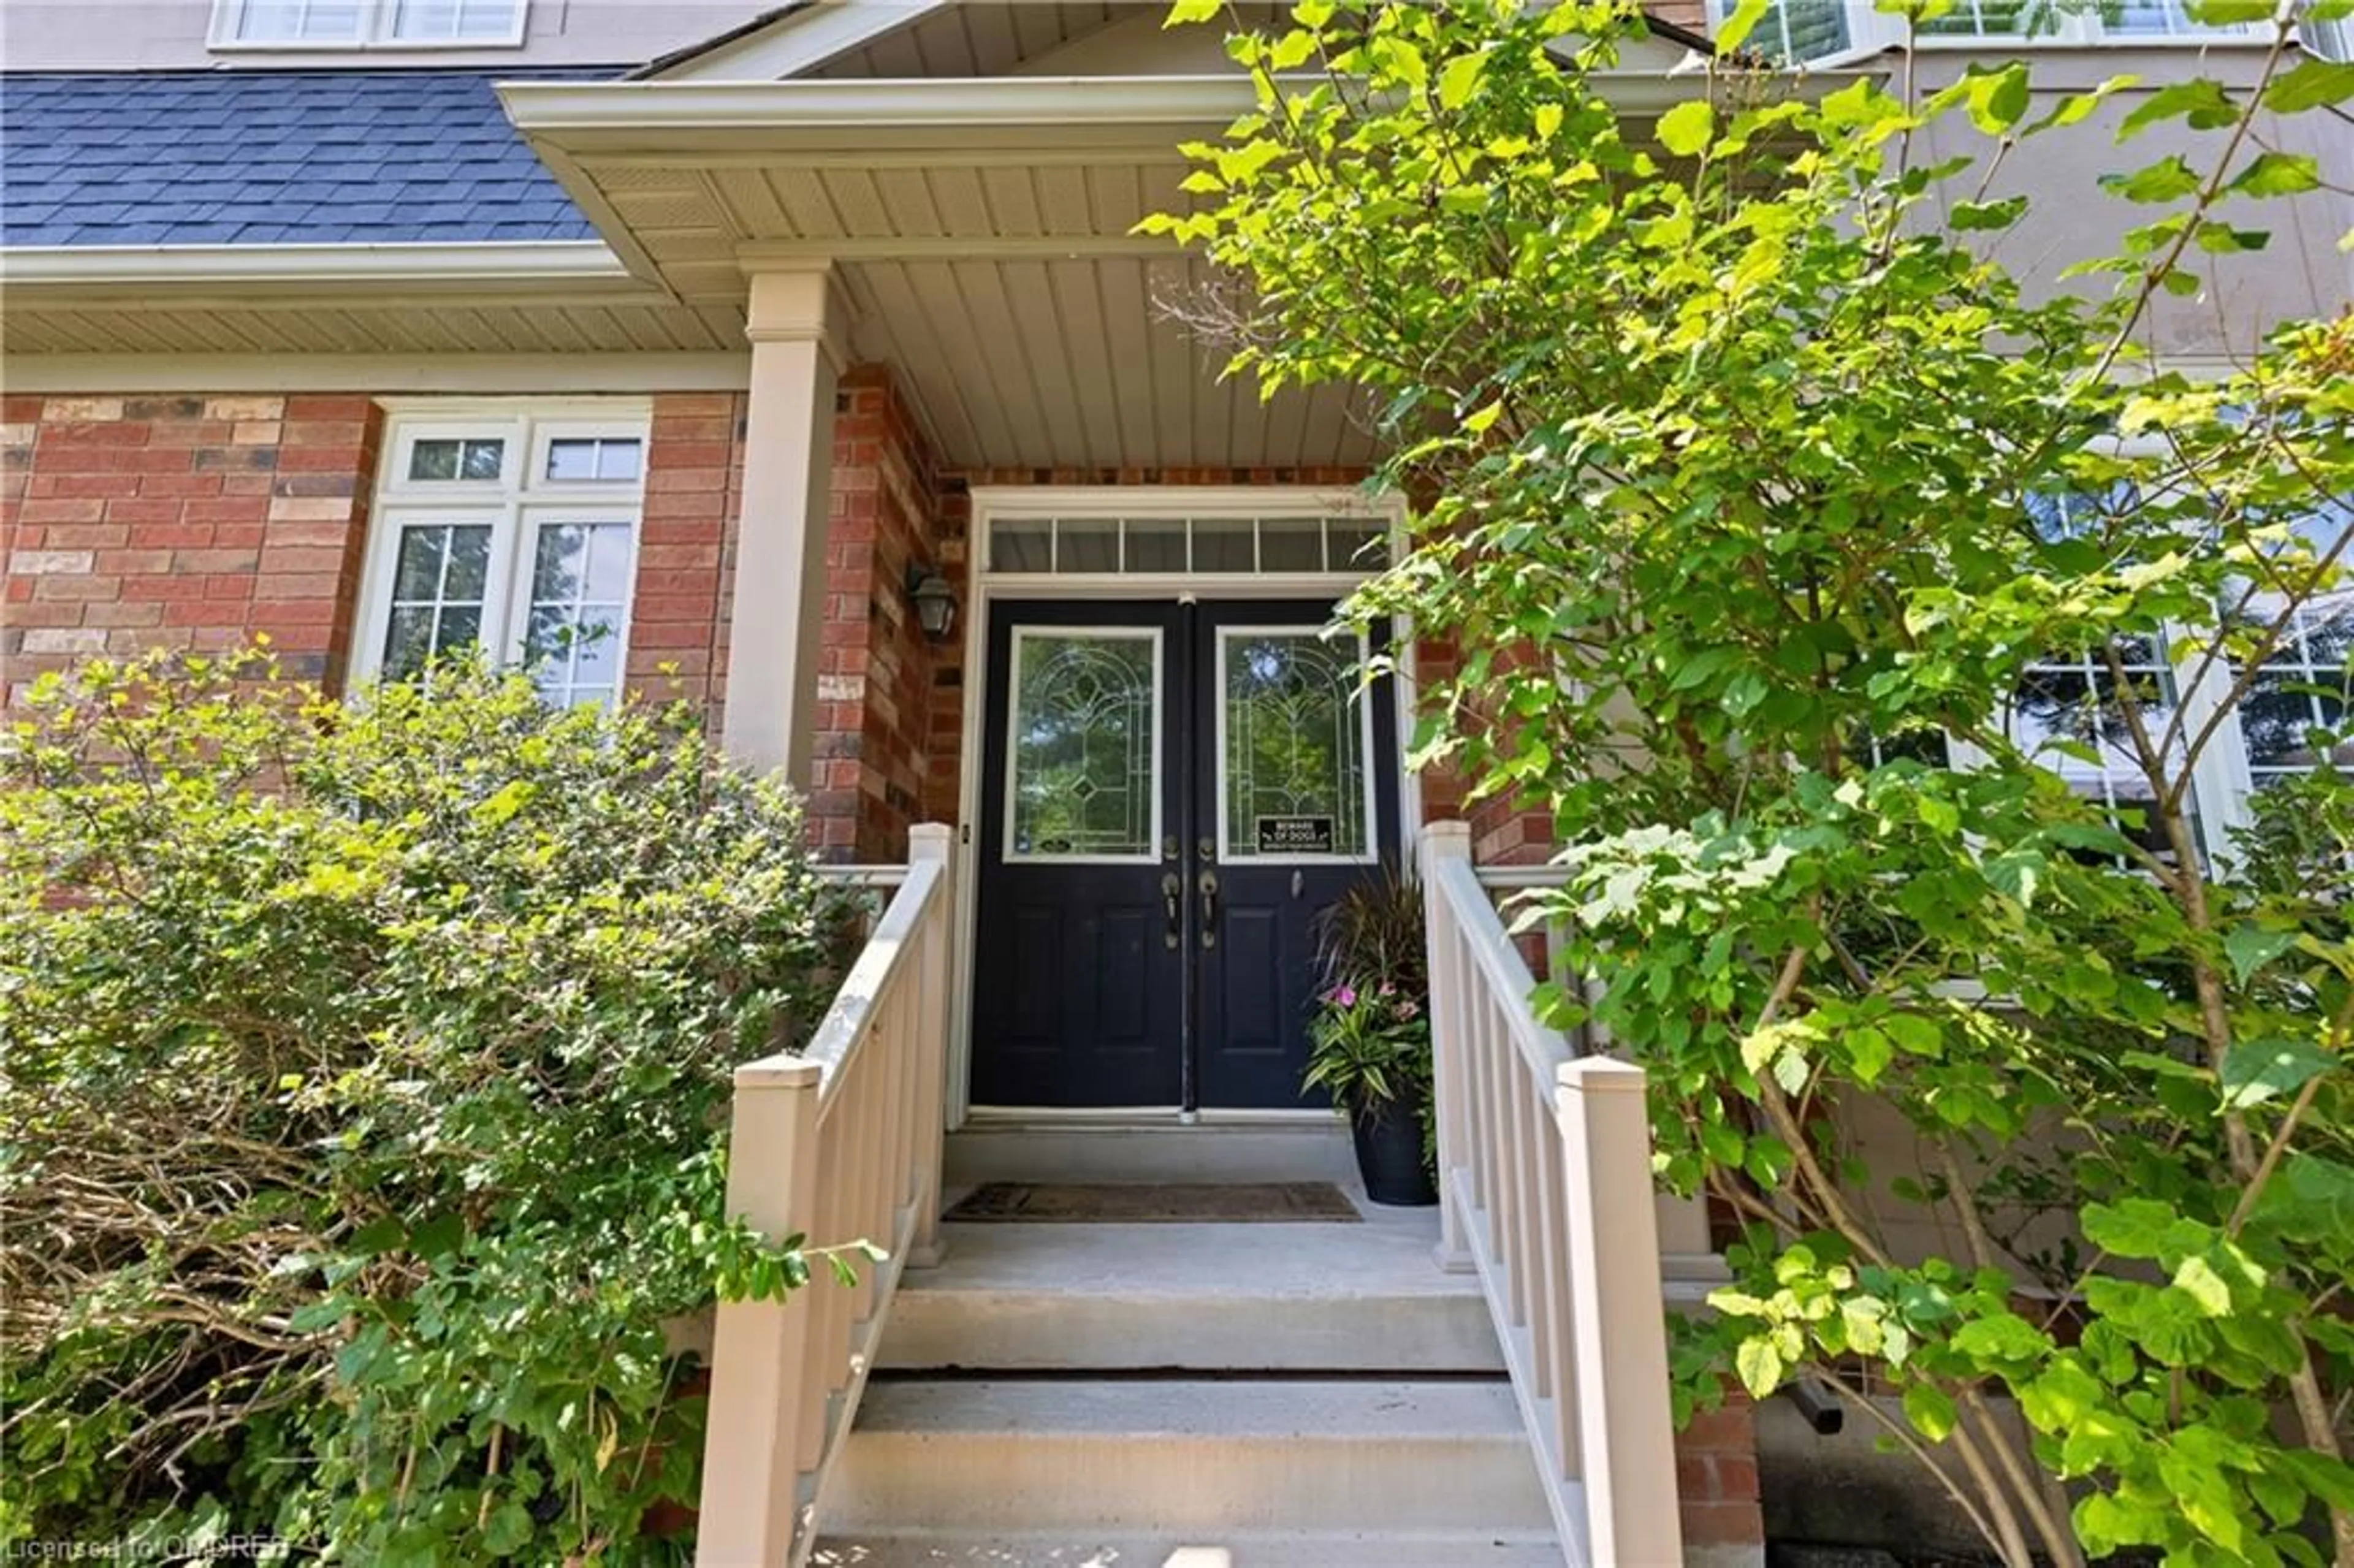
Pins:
x: 1370, y: 1038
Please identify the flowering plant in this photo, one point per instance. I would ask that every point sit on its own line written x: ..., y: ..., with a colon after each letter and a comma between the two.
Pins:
x: 1370, y: 1047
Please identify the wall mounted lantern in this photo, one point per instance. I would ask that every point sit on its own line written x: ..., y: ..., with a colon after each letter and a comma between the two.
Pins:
x: 935, y: 602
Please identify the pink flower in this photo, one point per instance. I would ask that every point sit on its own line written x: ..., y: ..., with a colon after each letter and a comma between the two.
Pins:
x: 1343, y: 995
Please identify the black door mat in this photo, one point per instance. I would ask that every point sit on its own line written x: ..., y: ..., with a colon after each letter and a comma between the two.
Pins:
x: 1113, y: 1202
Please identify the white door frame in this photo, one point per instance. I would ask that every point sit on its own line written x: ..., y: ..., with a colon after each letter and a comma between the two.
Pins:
x: 992, y: 504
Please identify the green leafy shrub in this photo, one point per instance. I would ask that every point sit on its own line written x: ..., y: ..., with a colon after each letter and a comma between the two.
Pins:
x: 365, y: 1099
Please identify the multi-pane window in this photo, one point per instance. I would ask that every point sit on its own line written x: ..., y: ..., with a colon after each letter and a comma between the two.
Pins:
x: 1799, y: 31
x: 1081, y: 547
x: 2070, y: 714
x: 367, y: 24
x: 2293, y: 717
x: 513, y: 532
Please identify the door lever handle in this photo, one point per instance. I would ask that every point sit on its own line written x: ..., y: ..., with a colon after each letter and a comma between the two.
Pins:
x: 1172, y: 889
x: 1209, y: 886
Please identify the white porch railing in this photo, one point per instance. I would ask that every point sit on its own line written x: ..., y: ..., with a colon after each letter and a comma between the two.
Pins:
x: 839, y: 1143
x: 1545, y: 1180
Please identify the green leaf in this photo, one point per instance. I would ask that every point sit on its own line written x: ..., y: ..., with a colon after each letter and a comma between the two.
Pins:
x: 1459, y: 78
x: 2250, y: 948
x: 2277, y: 174
x: 1739, y: 23
x: 1996, y: 101
x: 507, y: 1530
x: 1759, y: 1366
x: 2168, y: 179
x: 1930, y: 1410
x: 1685, y: 130
x: 2201, y: 101
x: 1181, y: 12
x: 2257, y: 1070
x: 2311, y: 84
x: 2003, y: 1336
x: 2197, y: 1279
x: 2223, y: 239
x: 1969, y: 215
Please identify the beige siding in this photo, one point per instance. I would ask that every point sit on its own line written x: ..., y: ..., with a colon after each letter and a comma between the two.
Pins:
x: 2300, y: 273
x: 163, y: 34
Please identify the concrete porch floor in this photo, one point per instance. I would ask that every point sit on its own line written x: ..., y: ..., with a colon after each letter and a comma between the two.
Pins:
x: 1221, y: 1297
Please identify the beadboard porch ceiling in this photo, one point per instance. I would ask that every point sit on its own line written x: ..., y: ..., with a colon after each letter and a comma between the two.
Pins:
x: 982, y: 232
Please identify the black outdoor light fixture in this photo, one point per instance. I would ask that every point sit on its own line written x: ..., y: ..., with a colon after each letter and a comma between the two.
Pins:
x: 935, y: 602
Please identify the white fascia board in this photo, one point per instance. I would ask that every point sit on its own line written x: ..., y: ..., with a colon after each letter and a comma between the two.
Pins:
x: 592, y: 117
x: 528, y: 265
x: 799, y: 42
x: 439, y: 375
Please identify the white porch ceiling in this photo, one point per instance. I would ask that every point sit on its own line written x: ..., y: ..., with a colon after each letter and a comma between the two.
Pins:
x: 1074, y: 363
x: 983, y: 233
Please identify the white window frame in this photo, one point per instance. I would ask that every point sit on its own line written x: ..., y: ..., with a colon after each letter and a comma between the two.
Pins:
x: 515, y: 506
x: 1870, y: 31
x: 373, y: 31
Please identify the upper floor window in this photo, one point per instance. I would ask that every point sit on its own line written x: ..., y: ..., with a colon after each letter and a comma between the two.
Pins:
x: 367, y: 24
x: 512, y: 530
x: 1810, y: 30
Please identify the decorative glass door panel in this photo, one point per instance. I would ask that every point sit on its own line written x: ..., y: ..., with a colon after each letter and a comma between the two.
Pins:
x: 1170, y: 795
x: 1084, y: 739
x: 1293, y: 746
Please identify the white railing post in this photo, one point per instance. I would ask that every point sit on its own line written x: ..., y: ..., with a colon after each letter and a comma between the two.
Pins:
x: 1449, y: 1000
x: 1617, y: 1320
x: 932, y: 842
x: 751, y: 1480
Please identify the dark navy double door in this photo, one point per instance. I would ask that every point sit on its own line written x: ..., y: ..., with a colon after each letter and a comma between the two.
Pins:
x: 1172, y: 793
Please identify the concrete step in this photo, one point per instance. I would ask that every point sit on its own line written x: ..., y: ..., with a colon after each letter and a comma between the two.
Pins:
x: 1214, y: 1297
x: 1223, y: 1550
x: 1178, y: 1457
x: 1117, y: 1148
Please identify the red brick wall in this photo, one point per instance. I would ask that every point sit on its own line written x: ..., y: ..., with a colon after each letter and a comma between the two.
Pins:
x: 876, y: 758
x: 1716, y: 1480
x: 686, y: 550
x: 185, y: 522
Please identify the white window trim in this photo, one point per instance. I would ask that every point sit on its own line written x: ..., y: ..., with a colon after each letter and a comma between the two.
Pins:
x: 374, y: 32
x: 1871, y: 31
x: 515, y: 507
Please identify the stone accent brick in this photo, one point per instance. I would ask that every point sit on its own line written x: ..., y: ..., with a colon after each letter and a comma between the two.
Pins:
x: 146, y: 521
x: 39, y: 563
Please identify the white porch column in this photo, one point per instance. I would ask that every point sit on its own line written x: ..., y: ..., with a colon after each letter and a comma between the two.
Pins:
x: 795, y: 323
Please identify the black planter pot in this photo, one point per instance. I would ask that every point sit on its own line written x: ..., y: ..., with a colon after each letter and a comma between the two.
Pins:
x: 1389, y: 1154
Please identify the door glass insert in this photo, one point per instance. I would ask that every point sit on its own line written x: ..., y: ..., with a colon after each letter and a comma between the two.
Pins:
x: 1292, y: 745
x: 1082, y: 743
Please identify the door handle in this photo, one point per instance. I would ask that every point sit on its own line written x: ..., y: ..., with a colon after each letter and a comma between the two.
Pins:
x: 1172, y: 889
x: 1209, y: 886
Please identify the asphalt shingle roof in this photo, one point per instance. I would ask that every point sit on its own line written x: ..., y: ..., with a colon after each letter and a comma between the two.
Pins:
x: 272, y: 157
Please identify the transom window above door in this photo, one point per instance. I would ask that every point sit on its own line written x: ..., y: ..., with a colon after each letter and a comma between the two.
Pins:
x: 511, y: 531
x: 367, y: 24
x: 1307, y: 544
